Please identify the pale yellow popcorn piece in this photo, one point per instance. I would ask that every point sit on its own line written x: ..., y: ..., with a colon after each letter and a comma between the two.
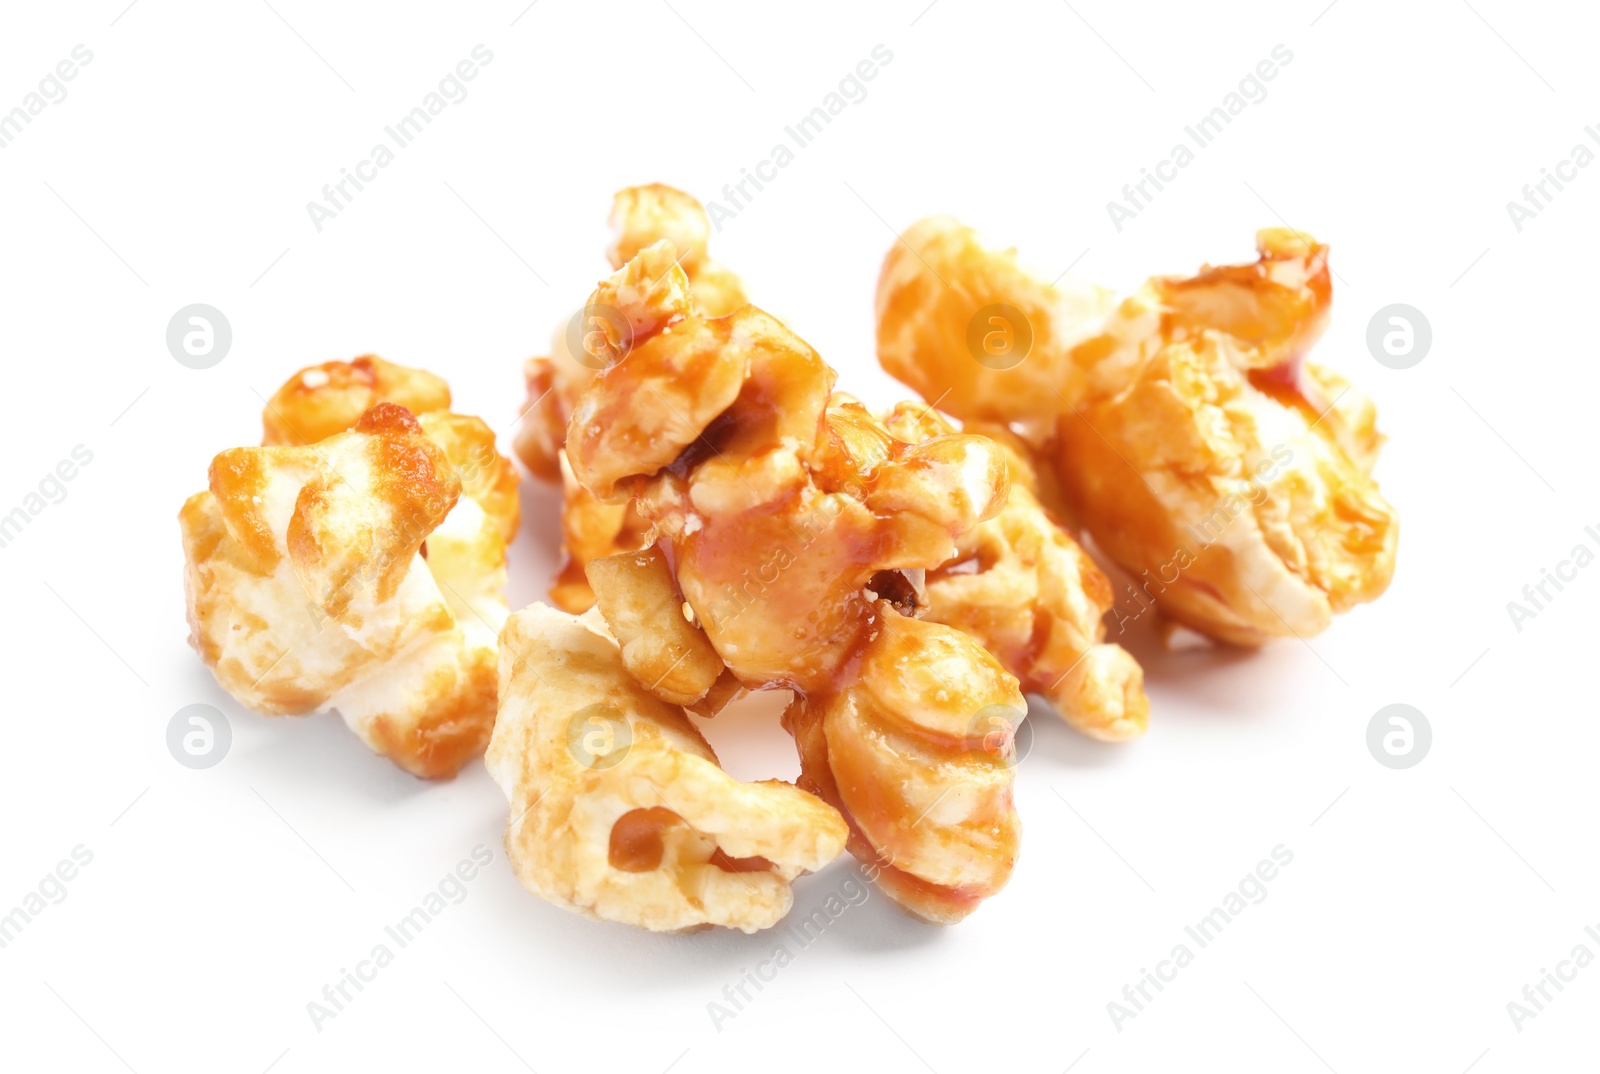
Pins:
x: 619, y: 810
x: 307, y: 588
x: 661, y: 648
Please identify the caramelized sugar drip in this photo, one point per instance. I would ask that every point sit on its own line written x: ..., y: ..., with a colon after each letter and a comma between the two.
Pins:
x: 636, y: 840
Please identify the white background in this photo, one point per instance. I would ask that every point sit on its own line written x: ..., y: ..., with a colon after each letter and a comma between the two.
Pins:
x: 218, y: 903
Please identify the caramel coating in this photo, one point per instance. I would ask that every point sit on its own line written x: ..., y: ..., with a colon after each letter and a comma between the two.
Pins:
x: 1024, y: 588
x: 306, y: 589
x: 1189, y: 433
x: 1243, y: 513
x: 619, y: 810
x: 932, y: 287
x: 667, y: 653
x: 900, y: 744
x: 325, y: 399
x: 466, y: 553
x: 786, y: 513
x: 641, y: 217
x: 590, y: 530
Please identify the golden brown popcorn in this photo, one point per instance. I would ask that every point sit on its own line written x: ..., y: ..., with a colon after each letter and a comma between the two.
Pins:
x: 1230, y: 498
x: 902, y: 746
x: 619, y: 810
x: 590, y: 530
x: 662, y: 646
x: 641, y: 216
x: 796, y: 525
x: 467, y: 553
x: 1024, y: 588
x: 674, y: 224
x: 1276, y: 307
x: 542, y: 425
x: 1193, y: 439
x: 644, y: 215
x: 307, y: 588
x: 976, y: 334
x: 325, y: 399
x: 684, y: 377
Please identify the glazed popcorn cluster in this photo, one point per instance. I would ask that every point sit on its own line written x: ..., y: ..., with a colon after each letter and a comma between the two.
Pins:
x: 733, y: 522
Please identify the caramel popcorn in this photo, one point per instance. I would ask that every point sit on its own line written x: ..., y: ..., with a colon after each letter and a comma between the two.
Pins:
x: 977, y: 335
x: 325, y: 399
x: 1024, y: 588
x: 661, y: 646
x: 1191, y: 436
x: 590, y: 530
x: 902, y: 744
x: 352, y: 572
x: 641, y: 217
x: 1250, y: 521
x: 644, y: 215
x: 467, y: 553
x: 795, y: 523
x: 619, y: 810
x: 731, y: 522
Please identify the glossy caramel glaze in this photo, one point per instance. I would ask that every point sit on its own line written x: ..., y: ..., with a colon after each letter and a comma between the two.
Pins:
x: 777, y: 504
x: 1191, y: 435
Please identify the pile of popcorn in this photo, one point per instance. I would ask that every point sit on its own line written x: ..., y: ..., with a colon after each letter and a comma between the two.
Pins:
x: 732, y: 523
